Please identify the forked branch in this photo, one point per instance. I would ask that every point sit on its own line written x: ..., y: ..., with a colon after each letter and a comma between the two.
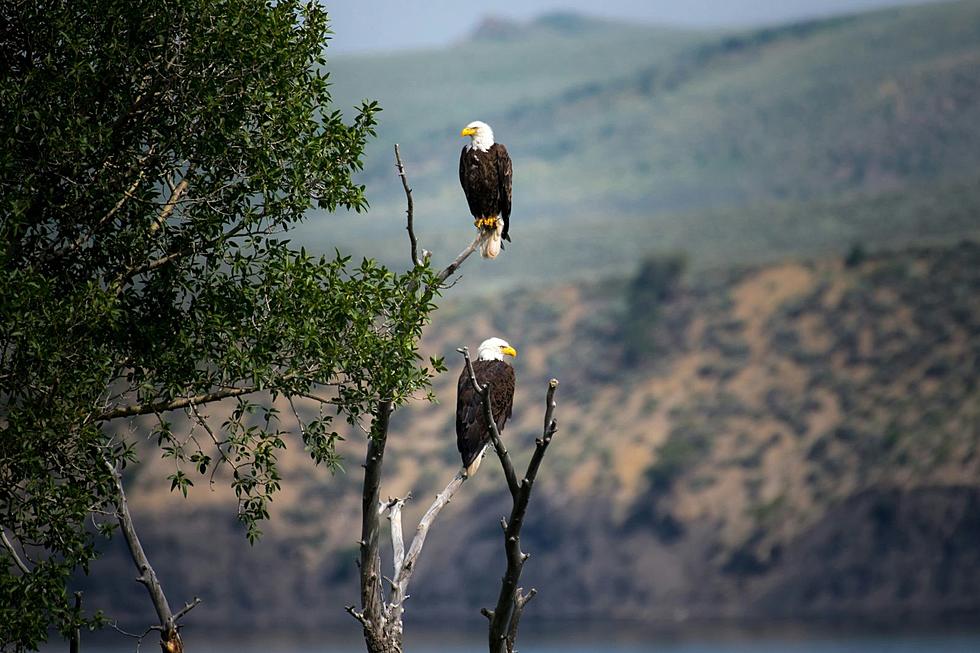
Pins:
x: 170, y: 640
x: 404, y: 563
x: 505, y: 617
x: 381, y: 620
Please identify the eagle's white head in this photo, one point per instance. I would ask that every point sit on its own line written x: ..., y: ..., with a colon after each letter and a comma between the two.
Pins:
x: 494, y: 349
x: 481, y: 136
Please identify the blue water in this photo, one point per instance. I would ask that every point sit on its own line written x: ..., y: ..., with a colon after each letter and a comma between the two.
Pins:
x: 574, y: 640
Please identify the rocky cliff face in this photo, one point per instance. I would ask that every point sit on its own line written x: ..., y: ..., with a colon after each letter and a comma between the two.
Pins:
x: 792, y: 440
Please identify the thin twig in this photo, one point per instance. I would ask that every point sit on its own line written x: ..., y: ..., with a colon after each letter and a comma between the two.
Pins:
x: 410, y: 212
x: 187, y: 608
x: 139, y: 638
x: 357, y: 615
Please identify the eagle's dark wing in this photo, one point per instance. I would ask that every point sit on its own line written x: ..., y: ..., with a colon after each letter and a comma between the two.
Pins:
x: 505, y: 182
x: 470, y: 423
x: 472, y: 430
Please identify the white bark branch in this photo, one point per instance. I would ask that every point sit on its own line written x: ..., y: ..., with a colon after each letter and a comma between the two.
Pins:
x: 13, y: 552
x: 405, y: 564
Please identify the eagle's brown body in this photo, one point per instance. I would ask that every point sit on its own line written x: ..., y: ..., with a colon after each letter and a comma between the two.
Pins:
x: 487, y: 180
x: 472, y: 429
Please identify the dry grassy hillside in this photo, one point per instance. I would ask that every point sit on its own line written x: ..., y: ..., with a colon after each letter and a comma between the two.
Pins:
x: 791, y: 439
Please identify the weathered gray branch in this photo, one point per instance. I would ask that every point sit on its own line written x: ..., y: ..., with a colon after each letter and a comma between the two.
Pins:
x: 505, y: 617
x: 13, y: 552
x: 381, y: 621
x: 450, y: 269
x: 404, y: 564
x: 170, y: 640
x: 410, y: 211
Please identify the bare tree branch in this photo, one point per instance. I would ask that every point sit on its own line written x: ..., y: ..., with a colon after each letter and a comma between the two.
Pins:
x: 410, y: 211
x: 450, y: 269
x: 170, y: 640
x: 505, y: 617
x: 381, y: 621
x: 169, y: 206
x: 187, y: 608
x: 13, y: 552
x: 405, y: 564
x: 520, y: 600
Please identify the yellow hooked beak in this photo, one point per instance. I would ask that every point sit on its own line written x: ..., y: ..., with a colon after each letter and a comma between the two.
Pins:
x: 468, y: 131
x: 510, y: 351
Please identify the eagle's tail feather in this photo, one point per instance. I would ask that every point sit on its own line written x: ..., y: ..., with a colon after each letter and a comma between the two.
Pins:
x: 490, y: 246
x: 475, y: 465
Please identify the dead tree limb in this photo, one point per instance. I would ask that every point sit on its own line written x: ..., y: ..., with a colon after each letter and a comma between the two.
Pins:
x: 404, y: 565
x: 13, y: 552
x: 505, y: 617
x: 511, y: 601
x: 170, y: 641
x: 410, y: 210
x: 450, y: 269
x: 381, y: 620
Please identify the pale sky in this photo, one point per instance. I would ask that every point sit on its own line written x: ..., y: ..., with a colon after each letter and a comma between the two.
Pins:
x: 374, y: 25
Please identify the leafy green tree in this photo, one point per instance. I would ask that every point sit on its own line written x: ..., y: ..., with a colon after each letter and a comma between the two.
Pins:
x: 153, y: 153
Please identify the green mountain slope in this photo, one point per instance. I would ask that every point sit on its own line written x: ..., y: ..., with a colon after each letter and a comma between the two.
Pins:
x: 613, y: 126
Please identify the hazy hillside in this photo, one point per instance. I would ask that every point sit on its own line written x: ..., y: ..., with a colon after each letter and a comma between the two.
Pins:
x: 632, y: 136
x: 800, y: 438
x: 790, y: 429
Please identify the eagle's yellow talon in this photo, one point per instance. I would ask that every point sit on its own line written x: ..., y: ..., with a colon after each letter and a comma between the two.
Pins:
x: 486, y: 223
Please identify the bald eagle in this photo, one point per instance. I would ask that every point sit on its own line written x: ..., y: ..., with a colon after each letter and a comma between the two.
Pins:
x: 472, y: 429
x: 486, y: 174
